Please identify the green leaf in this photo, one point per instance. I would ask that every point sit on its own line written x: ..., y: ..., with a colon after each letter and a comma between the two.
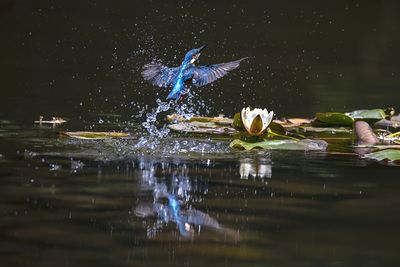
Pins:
x: 202, y: 128
x: 285, y: 135
x: 277, y: 128
x: 334, y: 118
x: 331, y: 130
x: 218, y: 120
x: 347, y: 119
x: 305, y: 144
x: 367, y: 114
x: 392, y: 138
x: 396, y: 134
x: 392, y: 155
x: 237, y: 121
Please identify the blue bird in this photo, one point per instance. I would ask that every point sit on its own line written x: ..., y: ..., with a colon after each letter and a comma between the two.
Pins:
x: 187, y: 74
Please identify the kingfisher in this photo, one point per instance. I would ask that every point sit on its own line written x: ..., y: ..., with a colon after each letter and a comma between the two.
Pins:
x: 182, y: 77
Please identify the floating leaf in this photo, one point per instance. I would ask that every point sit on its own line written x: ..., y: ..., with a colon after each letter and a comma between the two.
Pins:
x: 305, y: 144
x: 392, y: 138
x: 347, y: 119
x: 395, y: 118
x: 392, y: 155
x: 396, y: 134
x: 202, y: 128
x: 387, y: 123
x: 277, y: 128
x: 332, y: 130
x: 276, y: 132
x: 334, y: 118
x: 237, y: 121
x: 218, y: 120
x: 367, y: 114
x: 299, y: 121
x: 95, y: 135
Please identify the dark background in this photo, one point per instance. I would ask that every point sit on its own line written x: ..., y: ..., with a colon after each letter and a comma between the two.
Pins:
x: 81, y: 58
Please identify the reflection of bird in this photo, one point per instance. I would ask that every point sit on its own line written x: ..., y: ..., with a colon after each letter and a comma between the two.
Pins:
x: 186, y: 219
x: 180, y: 78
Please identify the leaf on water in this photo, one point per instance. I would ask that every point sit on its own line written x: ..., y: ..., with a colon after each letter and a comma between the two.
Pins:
x: 304, y: 145
x: 332, y: 130
x: 396, y: 134
x: 218, y: 120
x: 334, y: 118
x: 387, y: 123
x: 277, y: 128
x: 299, y: 121
x: 95, y: 135
x: 367, y: 114
x: 237, y: 121
x: 202, y: 128
x: 392, y: 138
x: 395, y: 118
x: 347, y: 119
x: 293, y: 122
x: 391, y: 155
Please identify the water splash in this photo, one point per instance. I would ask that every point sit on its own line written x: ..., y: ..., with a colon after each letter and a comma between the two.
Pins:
x: 151, y: 123
x: 191, y: 107
x: 151, y: 126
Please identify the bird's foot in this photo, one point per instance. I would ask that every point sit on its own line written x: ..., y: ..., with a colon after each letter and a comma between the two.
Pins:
x: 184, y: 94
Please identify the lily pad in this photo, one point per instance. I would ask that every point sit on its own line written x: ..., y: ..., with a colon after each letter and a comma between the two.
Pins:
x: 388, y: 123
x: 298, y: 121
x: 391, y: 155
x: 392, y: 138
x: 95, y: 135
x: 395, y: 118
x: 202, y: 128
x: 304, y: 145
x: 218, y: 120
x: 334, y: 118
x: 367, y: 114
x: 347, y: 119
x: 332, y: 130
x: 237, y: 121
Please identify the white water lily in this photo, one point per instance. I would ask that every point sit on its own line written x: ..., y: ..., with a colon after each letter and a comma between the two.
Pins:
x: 257, y: 120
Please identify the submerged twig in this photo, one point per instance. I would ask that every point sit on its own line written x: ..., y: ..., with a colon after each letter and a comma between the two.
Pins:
x: 54, y: 121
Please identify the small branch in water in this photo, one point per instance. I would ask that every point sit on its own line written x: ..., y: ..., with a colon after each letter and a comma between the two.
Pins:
x: 54, y: 121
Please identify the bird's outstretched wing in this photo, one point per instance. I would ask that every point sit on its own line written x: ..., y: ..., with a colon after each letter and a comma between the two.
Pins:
x: 159, y: 75
x: 203, y: 75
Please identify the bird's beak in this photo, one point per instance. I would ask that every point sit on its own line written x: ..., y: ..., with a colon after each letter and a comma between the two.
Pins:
x: 197, y: 55
x: 201, y: 48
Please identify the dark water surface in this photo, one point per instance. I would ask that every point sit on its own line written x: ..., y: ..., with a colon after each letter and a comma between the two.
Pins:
x: 103, y: 203
x: 192, y: 201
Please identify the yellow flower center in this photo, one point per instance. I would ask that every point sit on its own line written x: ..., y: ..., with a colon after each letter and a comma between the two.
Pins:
x: 256, y: 125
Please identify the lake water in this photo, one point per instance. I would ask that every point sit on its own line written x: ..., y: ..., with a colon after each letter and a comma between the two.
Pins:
x: 191, y: 201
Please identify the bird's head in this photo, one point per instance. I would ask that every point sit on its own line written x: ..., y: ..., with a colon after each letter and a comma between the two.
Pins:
x: 193, y: 55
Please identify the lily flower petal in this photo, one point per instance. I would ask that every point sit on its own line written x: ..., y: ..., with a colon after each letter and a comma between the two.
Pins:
x: 256, y: 121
